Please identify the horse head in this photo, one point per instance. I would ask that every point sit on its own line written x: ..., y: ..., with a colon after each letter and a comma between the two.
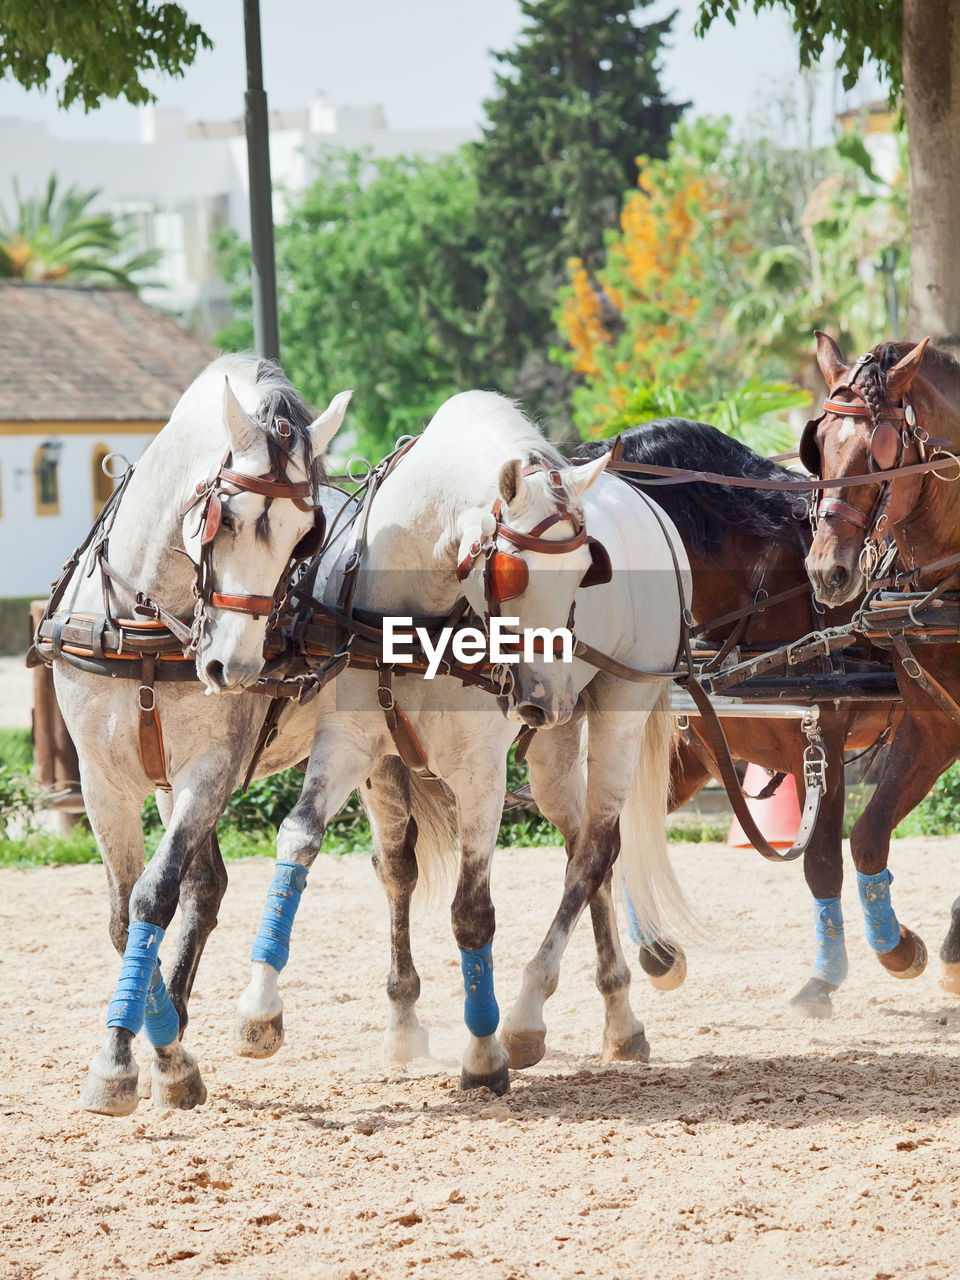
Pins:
x: 243, y: 523
x: 869, y: 426
x: 523, y: 564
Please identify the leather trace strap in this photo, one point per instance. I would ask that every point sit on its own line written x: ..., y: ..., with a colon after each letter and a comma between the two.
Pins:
x: 149, y: 734
x: 931, y: 687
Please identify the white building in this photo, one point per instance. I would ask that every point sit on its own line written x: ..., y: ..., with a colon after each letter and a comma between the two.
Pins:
x: 86, y: 372
x: 183, y: 180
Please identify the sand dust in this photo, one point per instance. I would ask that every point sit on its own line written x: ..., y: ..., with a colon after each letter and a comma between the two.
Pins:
x: 754, y: 1144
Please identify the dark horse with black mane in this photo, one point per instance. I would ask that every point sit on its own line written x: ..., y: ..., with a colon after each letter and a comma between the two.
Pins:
x: 894, y: 416
x: 746, y: 544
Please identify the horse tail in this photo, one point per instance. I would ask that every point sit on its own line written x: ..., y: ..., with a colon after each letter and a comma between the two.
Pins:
x: 646, y: 875
x: 438, y: 848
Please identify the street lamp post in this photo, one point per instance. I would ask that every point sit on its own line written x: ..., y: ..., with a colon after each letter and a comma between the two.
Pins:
x: 266, y: 331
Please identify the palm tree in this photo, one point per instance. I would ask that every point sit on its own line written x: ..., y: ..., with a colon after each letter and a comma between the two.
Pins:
x: 55, y: 238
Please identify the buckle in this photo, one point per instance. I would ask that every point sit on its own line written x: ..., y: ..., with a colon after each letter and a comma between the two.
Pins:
x: 385, y: 689
x: 147, y: 698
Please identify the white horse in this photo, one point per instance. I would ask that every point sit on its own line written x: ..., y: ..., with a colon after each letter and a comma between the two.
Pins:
x: 454, y: 506
x: 238, y: 524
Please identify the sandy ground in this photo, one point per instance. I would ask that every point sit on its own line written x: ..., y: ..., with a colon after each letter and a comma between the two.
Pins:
x: 754, y: 1144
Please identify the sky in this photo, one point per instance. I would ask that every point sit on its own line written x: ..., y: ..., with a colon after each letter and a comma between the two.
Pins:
x: 427, y: 63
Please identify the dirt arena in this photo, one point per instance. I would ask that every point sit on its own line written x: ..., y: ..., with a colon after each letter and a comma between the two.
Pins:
x: 753, y: 1145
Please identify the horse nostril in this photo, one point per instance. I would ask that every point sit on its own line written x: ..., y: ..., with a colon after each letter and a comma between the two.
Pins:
x: 216, y: 674
x: 532, y: 714
x: 839, y: 577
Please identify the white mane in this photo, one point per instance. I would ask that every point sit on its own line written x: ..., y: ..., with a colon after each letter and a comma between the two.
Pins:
x: 492, y: 420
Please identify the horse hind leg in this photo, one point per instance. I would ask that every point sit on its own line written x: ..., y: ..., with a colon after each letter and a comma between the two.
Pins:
x: 950, y: 953
x: 175, y: 1077
x: 395, y: 862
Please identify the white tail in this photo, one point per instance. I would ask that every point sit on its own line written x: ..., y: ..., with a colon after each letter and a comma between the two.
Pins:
x: 646, y: 875
x: 438, y: 846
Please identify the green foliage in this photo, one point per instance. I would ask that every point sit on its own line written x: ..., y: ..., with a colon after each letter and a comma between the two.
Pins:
x: 18, y: 798
x: 939, y: 813
x: 865, y: 32
x: 749, y: 412
x: 107, y: 46
x: 45, y: 848
x: 16, y: 749
x: 577, y: 101
x: 54, y: 237
x: 379, y: 288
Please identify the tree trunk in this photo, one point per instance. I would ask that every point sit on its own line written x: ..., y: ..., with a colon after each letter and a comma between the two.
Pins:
x: 931, y: 78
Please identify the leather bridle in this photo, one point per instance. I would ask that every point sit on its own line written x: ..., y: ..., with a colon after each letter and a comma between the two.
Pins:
x: 209, y: 495
x: 895, y: 431
x: 505, y: 575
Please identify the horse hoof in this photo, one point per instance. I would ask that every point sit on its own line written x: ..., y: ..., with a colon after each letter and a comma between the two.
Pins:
x: 634, y: 1049
x: 257, y: 1039
x: 813, y: 999
x: 403, y: 1044
x: 525, y: 1048
x: 908, y: 959
x: 110, y: 1088
x: 498, y: 1082
x: 176, y: 1081
x: 674, y: 977
x: 950, y: 977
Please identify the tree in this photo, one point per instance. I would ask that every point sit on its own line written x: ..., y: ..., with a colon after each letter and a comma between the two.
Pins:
x: 647, y: 330
x: 379, y: 289
x: 916, y: 46
x: 107, y: 46
x: 578, y: 100
x: 56, y: 237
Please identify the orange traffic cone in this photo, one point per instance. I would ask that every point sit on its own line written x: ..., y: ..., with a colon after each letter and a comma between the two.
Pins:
x: 777, y: 818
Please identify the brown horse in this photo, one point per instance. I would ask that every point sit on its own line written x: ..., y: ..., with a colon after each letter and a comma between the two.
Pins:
x: 883, y: 413
x: 743, y: 545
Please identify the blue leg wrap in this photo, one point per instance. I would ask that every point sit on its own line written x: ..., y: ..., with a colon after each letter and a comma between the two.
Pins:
x: 481, y: 1012
x: 831, y: 958
x: 637, y: 936
x: 272, y: 943
x: 883, y: 931
x: 161, y: 1022
x: 129, y: 1001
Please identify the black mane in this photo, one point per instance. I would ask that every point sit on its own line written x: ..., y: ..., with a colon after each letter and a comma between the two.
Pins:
x: 707, y: 515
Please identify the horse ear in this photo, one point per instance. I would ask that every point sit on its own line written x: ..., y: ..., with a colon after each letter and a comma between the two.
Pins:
x: 241, y: 428
x: 830, y: 360
x: 577, y: 480
x: 904, y: 371
x: 323, y: 429
x: 510, y: 482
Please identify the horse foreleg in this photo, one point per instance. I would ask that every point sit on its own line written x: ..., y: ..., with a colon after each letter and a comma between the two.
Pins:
x: 558, y: 785
x: 479, y: 794
x: 923, y: 746
x: 823, y: 871
x: 338, y: 763
x: 141, y: 1000
x: 386, y: 798
x: 613, y: 751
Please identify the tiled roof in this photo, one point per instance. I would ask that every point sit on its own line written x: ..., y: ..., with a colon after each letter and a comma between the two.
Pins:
x: 76, y: 353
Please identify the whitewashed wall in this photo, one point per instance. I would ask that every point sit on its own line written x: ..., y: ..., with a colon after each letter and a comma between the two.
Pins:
x: 33, y: 547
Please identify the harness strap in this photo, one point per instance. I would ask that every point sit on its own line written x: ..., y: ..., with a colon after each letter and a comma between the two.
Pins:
x: 149, y: 735
x: 931, y: 687
x: 404, y: 736
x: 834, y: 507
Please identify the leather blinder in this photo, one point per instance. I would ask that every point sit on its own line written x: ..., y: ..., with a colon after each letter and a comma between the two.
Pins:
x: 601, y: 570
x: 211, y: 519
x: 508, y: 576
x: 885, y: 446
x: 312, y: 540
x: 809, y: 449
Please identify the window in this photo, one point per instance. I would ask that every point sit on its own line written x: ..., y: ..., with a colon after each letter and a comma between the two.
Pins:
x: 46, y: 475
x: 103, y: 485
